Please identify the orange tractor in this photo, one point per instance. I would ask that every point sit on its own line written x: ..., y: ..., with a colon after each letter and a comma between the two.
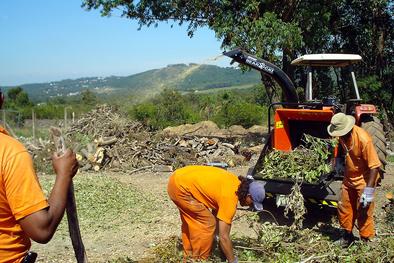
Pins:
x: 292, y: 119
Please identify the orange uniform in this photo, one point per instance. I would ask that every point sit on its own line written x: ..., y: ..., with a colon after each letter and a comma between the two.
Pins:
x: 20, y: 196
x: 196, y: 190
x: 360, y: 158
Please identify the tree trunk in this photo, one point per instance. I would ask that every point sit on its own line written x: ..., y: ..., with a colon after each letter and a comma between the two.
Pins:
x: 378, y: 28
x: 270, y: 88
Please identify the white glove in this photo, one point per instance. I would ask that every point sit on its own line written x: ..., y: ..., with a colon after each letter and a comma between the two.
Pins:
x: 367, y: 196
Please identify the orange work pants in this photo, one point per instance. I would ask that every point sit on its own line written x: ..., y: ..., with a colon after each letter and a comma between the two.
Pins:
x: 198, y: 223
x: 350, y: 210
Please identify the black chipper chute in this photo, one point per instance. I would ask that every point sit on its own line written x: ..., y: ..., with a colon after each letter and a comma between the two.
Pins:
x: 267, y: 68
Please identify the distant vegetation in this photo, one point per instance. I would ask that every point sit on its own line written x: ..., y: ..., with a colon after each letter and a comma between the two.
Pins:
x: 180, y: 77
x: 174, y: 95
x: 18, y: 101
x: 170, y: 108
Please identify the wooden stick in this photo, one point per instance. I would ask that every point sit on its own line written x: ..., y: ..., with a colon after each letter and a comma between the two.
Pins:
x: 141, y: 168
x: 313, y: 258
x: 71, y: 207
x: 73, y: 227
x: 385, y: 234
x: 260, y: 249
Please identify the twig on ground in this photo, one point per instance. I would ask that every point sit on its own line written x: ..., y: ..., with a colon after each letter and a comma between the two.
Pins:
x: 276, y: 221
x: 239, y: 217
x: 386, y: 234
x: 313, y: 258
x: 141, y: 168
x: 192, y: 131
x: 260, y: 249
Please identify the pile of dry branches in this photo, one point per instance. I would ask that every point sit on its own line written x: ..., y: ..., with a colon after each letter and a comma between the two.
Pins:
x: 108, y: 139
x: 105, y: 139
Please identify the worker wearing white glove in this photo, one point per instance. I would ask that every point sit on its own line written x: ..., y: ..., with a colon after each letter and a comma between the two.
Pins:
x: 367, y: 196
x: 356, y: 203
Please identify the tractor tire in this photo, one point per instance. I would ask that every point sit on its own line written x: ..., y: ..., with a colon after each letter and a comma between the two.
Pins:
x: 372, y: 125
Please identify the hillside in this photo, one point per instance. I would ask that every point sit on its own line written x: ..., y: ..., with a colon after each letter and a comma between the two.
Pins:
x: 179, y: 76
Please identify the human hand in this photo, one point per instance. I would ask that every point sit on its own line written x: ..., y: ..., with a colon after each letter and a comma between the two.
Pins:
x: 65, y: 165
x: 367, y: 196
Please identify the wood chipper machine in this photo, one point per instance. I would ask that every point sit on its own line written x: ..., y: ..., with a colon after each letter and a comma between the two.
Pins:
x: 290, y: 119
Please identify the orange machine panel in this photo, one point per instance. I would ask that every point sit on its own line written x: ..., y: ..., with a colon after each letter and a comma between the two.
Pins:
x: 290, y: 124
x: 364, y: 109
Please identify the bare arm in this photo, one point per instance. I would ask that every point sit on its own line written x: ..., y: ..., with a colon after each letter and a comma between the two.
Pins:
x: 224, y: 240
x: 41, y: 225
x: 372, y: 176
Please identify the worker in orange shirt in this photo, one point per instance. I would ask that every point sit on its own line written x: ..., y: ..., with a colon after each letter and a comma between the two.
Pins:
x: 207, y: 199
x: 25, y: 213
x: 361, y: 173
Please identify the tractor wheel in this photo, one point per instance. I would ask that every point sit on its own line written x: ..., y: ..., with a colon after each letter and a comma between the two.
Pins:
x: 372, y: 125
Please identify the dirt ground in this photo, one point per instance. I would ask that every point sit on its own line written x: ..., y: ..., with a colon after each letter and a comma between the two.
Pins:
x: 121, y: 239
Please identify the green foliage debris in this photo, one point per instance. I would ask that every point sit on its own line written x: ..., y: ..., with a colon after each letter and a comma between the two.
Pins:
x: 305, y: 163
x: 276, y: 243
x: 283, y: 244
x: 295, y: 203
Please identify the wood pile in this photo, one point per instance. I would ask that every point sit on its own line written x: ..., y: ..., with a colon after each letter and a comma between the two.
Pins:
x: 209, y: 149
x: 105, y: 139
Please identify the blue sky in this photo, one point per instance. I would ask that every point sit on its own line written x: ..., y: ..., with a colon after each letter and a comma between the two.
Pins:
x: 49, y: 40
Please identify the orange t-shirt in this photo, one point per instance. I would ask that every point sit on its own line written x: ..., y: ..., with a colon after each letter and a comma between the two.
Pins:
x: 214, y: 187
x: 360, y: 159
x: 20, y: 196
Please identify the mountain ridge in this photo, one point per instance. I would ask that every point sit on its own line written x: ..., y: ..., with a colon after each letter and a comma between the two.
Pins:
x: 182, y: 77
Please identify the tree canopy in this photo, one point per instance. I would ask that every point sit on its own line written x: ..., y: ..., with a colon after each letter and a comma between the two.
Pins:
x: 280, y: 30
